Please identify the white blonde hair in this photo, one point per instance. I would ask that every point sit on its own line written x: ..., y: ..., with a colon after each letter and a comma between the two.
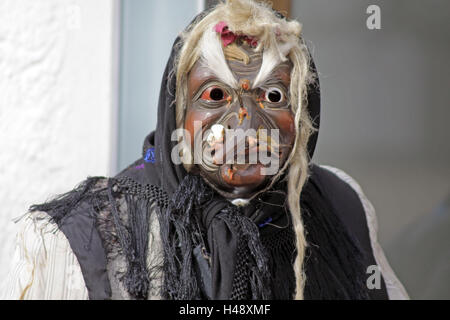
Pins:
x: 278, y: 40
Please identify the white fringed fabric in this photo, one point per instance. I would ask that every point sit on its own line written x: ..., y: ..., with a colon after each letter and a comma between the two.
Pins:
x: 44, y: 266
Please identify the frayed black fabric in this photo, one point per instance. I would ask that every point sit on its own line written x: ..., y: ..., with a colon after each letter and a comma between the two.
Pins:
x: 75, y: 214
x: 64, y: 203
x: 133, y: 241
x: 197, y: 216
x: 179, y: 235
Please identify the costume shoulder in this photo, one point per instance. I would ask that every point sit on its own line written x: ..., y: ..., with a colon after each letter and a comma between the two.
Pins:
x: 358, y: 214
x: 106, y: 222
x: 335, y: 186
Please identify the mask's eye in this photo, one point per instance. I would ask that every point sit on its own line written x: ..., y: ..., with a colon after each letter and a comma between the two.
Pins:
x: 214, y: 93
x: 273, y: 95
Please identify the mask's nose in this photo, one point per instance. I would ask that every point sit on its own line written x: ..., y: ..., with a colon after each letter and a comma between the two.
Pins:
x: 247, y: 113
x: 243, y: 114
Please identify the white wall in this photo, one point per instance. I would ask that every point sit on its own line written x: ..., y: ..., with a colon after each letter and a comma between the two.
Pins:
x: 56, y: 101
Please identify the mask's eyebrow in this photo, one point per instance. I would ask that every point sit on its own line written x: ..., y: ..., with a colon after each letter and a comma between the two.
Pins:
x: 213, y: 58
x: 270, y: 61
x: 280, y: 74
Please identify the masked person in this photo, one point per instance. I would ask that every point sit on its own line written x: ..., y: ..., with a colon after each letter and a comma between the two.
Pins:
x: 225, y: 202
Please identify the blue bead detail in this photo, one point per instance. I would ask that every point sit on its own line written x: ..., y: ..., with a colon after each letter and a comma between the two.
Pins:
x: 269, y: 220
x: 150, y: 156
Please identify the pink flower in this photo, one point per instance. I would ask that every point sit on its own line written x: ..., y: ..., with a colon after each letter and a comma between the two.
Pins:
x: 221, y: 27
x: 227, y: 36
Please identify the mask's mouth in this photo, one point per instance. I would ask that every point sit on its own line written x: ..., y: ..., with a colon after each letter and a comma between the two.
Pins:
x: 240, y: 175
x: 245, y: 161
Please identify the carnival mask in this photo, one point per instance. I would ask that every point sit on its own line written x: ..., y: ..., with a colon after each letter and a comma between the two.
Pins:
x: 258, y: 119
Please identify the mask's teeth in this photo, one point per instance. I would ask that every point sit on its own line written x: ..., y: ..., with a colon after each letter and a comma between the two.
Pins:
x: 218, y: 131
x: 216, y: 135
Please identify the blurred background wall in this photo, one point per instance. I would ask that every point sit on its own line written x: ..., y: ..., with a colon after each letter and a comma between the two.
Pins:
x: 385, y: 122
x: 385, y: 107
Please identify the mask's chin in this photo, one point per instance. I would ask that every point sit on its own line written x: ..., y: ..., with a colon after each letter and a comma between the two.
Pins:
x: 238, y: 183
x: 244, y: 176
